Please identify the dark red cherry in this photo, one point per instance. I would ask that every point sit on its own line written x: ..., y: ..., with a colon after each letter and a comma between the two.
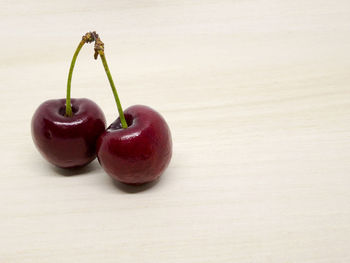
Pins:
x: 139, y: 153
x: 68, y: 141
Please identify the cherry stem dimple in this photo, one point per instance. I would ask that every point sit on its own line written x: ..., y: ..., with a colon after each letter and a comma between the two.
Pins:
x: 99, y: 50
x: 87, y: 38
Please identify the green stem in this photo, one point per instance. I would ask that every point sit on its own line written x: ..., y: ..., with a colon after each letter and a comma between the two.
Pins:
x: 120, y: 109
x: 69, y: 112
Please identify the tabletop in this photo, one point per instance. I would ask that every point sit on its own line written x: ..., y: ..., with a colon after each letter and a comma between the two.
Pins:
x: 256, y: 94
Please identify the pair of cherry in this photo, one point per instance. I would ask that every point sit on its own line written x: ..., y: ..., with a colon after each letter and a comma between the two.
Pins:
x: 135, y: 149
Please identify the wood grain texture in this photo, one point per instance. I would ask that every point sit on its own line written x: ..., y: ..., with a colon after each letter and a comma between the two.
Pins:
x: 257, y: 96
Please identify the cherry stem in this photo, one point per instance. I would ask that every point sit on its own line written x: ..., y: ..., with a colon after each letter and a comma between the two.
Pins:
x: 99, y: 50
x: 87, y: 38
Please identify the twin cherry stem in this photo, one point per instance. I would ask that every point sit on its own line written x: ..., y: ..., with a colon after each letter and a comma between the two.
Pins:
x: 99, y: 50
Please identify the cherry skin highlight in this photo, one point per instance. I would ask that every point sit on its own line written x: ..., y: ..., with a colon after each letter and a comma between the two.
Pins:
x: 67, y: 142
x: 139, y: 153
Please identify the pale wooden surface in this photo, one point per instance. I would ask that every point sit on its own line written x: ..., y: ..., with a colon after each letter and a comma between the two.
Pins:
x: 257, y: 97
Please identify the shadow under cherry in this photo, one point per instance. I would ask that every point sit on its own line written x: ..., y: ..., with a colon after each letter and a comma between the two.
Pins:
x: 133, y: 189
x: 75, y: 171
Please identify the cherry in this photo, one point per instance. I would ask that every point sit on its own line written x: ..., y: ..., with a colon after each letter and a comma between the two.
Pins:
x: 65, y: 131
x: 137, y: 147
x: 68, y: 141
x: 140, y: 153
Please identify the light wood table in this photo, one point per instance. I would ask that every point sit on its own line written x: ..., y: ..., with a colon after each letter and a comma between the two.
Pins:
x: 257, y: 96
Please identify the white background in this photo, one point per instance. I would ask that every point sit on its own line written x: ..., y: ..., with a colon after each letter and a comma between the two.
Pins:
x: 257, y: 97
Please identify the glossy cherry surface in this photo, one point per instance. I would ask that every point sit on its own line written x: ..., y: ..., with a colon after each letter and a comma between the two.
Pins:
x: 140, y: 153
x: 68, y: 141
